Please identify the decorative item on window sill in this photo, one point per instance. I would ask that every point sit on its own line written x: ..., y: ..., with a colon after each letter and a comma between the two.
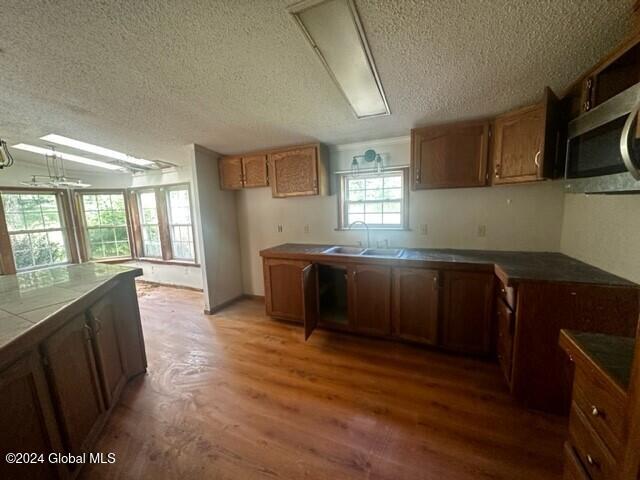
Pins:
x: 369, y: 156
x: 6, y: 160
x: 57, y: 177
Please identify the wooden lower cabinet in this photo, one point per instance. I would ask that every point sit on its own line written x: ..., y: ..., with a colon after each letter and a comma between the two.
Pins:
x: 74, y: 383
x: 283, y: 285
x: 467, y: 311
x: 27, y: 419
x: 371, y: 299
x: 505, y: 324
x: 415, y: 304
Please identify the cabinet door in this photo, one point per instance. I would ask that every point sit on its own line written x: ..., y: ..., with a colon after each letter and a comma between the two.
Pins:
x: 447, y: 156
x: 27, y: 419
x: 371, y: 299
x: 230, y: 170
x: 310, y: 299
x: 415, y: 304
x: 506, y: 329
x: 283, y: 288
x: 129, y: 327
x: 294, y: 172
x: 109, y: 359
x: 468, y: 300
x: 525, y: 143
x: 73, y: 379
x: 254, y: 168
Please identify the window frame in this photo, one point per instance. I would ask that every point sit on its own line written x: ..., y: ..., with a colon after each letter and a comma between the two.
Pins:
x: 343, y: 203
x: 83, y: 228
x: 190, y: 225
x: 63, y: 202
x: 143, y: 254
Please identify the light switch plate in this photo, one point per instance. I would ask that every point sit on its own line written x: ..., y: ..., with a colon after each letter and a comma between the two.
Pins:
x: 424, y: 229
x: 482, y: 230
x: 280, y: 228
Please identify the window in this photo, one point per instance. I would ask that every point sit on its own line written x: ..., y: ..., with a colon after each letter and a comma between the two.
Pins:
x: 36, y: 230
x: 105, y: 219
x: 149, y: 225
x: 180, y: 227
x: 379, y: 200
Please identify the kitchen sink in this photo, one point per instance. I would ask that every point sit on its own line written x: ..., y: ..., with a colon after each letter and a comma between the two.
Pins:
x: 383, y: 252
x: 344, y: 250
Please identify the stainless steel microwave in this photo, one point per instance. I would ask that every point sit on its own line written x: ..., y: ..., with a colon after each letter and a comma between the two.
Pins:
x: 603, y: 146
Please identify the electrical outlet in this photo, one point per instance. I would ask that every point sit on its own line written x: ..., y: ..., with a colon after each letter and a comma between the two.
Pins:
x: 280, y: 228
x: 306, y: 228
x: 482, y: 230
x: 424, y: 229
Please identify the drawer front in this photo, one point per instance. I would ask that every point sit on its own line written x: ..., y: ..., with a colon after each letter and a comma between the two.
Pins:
x: 592, y: 453
x: 573, y: 469
x: 505, y: 320
x: 508, y: 294
x: 603, y: 409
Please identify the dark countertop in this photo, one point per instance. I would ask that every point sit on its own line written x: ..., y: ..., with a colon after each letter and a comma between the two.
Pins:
x: 612, y: 354
x: 27, y: 299
x: 511, y: 267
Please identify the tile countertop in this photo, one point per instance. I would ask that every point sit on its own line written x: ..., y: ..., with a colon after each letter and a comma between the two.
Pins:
x: 29, y: 298
x: 515, y: 266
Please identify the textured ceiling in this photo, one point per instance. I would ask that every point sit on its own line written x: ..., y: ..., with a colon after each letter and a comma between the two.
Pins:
x: 148, y: 77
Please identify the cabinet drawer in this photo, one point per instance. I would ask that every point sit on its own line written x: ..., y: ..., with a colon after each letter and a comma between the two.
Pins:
x: 602, y: 408
x: 573, y: 469
x: 593, y: 454
x: 505, y: 318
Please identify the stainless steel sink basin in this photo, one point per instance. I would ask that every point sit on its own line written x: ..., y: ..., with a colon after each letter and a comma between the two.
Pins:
x: 382, y: 252
x: 344, y: 250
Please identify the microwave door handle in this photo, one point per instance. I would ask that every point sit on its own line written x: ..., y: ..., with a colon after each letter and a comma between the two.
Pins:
x: 626, y: 143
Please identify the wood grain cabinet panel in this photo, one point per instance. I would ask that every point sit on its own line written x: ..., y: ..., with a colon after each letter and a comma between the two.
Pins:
x: 284, y: 295
x: 27, y: 419
x: 109, y: 358
x: 447, y: 156
x: 525, y: 143
x: 415, y: 304
x: 294, y: 172
x: 230, y: 170
x: 505, y: 320
x: 74, y: 383
x: 371, y: 299
x: 254, y: 171
x: 467, y: 311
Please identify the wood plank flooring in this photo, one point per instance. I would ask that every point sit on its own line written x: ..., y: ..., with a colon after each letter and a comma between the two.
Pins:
x: 240, y: 396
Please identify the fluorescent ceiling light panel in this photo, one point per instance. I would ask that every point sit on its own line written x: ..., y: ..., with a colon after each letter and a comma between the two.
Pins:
x: 89, y: 147
x: 335, y: 32
x: 66, y: 156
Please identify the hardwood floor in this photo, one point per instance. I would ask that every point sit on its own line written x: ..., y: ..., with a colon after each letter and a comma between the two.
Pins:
x: 240, y: 396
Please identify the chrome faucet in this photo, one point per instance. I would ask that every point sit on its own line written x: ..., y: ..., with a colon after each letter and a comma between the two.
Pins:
x: 366, y: 227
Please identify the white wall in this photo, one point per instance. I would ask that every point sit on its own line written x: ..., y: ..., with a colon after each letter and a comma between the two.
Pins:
x: 520, y: 217
x: 217, y: 225
x: 604, y: 230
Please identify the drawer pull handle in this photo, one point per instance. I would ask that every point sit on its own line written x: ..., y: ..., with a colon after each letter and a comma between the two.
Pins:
x: 591, y: 461
x: 594, y: 411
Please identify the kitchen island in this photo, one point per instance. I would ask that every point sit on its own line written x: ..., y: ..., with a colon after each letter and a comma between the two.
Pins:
x: 70, y: 339
x: 505, y: 305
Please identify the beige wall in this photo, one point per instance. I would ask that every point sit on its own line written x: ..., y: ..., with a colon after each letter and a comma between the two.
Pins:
x: 522, y: 217
x: 603, y: 230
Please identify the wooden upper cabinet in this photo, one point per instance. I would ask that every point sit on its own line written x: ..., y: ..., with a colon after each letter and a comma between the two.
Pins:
x: 371, y: 299
x: 297, y: 172
x: 27, y: 419
x: 467, y: 311
x: 415, y: 304
x: 70, y: 363
x: 525, y: 142
x: 254, y: 169
x: 230, y: 173
x: 448, y: 156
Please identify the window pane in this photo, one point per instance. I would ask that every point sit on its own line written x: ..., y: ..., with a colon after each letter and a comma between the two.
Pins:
x: 392, y: 219
x: 179, y: 209
x: 106, y: 221
x: 15, y: 221
x: 375, y: 199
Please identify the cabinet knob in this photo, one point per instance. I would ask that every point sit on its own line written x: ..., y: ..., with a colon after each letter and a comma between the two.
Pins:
x: 594, y: 411
x: 590, y: 460
x: 586, y: 106
x: 536, y: 159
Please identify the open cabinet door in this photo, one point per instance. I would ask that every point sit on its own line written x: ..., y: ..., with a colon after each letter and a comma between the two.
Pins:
x: 310, y: 299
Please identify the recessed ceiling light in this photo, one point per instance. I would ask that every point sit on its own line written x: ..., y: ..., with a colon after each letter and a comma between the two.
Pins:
x: 66, y: 156
x: 89, y: 147
x: 336, y: 34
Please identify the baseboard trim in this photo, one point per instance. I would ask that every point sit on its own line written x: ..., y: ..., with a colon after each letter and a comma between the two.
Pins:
x: 160, y: 284
x: 253, y: 297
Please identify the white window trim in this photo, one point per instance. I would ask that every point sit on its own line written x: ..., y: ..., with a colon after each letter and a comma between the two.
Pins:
x: 191, y: 225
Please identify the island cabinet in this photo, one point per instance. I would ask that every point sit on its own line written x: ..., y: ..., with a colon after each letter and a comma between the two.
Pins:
x: 371, y: 299
x: 448, y: 156
x: 525, y: 142
x: 467, y: 311
x: 27, y: 419
x: 416, y: 304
